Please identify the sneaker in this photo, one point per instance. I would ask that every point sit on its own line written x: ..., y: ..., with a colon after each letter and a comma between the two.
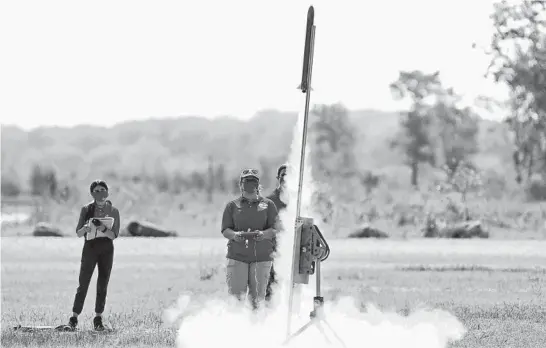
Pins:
x: 97, y: 324
x: 73, y: 323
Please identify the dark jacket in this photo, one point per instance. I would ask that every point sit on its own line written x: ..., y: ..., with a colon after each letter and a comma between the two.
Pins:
x: 275, y: 196
x: 242, y: 214
x: 88, y: 211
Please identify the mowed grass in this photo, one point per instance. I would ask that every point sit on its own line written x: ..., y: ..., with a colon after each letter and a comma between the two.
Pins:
x: 496, y: 288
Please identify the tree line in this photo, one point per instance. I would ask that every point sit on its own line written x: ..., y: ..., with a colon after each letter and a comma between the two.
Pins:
x: 437, y: 130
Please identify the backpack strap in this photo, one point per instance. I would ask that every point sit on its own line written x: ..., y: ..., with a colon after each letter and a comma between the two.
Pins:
x: 90, y: 211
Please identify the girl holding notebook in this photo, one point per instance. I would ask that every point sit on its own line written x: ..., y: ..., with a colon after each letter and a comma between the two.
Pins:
x: 99, y: 224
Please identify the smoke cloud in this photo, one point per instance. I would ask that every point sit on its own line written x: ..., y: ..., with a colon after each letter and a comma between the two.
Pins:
x: 225, y: 323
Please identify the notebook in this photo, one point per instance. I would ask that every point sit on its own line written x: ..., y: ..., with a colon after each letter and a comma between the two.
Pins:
x: 95, y: 233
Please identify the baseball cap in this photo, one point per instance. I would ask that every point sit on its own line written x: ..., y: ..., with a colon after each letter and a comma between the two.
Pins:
x: 250, y: 173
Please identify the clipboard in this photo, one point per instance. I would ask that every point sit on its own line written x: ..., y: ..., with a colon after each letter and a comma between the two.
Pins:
x: 95, y: 233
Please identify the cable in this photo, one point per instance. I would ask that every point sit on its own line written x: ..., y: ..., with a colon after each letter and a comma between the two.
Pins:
x: 255, y: 274
x: 325, y: 245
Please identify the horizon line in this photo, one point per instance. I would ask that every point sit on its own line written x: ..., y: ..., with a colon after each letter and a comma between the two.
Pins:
x: 209, y: 117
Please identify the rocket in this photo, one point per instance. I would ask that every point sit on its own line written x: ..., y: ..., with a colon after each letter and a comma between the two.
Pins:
x: 302, y: 224
x: 308, y: 51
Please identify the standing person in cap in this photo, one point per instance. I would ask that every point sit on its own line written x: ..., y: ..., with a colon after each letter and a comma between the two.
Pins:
x: 249, y: 260
x: 96, y: 252
x: 275, y: 196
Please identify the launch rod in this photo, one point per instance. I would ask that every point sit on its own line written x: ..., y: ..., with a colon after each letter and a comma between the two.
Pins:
x: 306, y: 88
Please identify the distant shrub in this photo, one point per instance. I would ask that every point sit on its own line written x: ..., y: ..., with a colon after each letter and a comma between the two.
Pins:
x: 139, y: 229
x: 162, y: 182
x: 536, y: 189
x: 370, y: 181
x: 10, y: 188
x: 43, y: 229
x: 43, y: 181
x: 368, y: 231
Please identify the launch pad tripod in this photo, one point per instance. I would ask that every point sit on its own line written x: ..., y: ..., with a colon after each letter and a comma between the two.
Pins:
x: 317, y: 316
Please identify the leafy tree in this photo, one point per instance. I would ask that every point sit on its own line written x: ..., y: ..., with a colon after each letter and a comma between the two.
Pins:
x: 211, y: 180
x: 43, y: 182
x: 10, y: 187
x: 220, y: 177
x: 414, y: 139
x: 518, y: 50
x: 464, y: 179
x: 456, y: 131
x: 198, y: 181
x: 334, y: 142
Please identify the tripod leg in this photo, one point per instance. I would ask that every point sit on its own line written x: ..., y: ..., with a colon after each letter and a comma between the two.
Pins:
x: 321, y: 329
x: 297, y: 333
x: 333, y: 332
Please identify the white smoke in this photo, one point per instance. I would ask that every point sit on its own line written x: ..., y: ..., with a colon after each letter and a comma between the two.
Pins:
x: 283, y: 259
x: 223, y: 322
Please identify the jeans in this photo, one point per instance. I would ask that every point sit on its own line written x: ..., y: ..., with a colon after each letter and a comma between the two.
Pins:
x: 97, y: 252
x: 252, y: 277
x: 272, y: 281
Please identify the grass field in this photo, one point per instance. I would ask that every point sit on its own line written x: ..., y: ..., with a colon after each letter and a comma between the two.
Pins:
x: 496, y: 288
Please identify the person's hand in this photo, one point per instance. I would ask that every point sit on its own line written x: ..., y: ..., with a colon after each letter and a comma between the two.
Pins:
x: 238, y: 237
x: 85, y: 229
x: 267, y: 234
x: 260, y: 236
x: 101, y: 227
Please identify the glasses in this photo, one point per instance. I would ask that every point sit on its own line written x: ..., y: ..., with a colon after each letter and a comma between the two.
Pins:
x: 249, y: 171
x: 102, y: 189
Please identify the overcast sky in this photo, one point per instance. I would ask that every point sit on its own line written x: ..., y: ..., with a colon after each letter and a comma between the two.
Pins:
x: 103, y: 62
